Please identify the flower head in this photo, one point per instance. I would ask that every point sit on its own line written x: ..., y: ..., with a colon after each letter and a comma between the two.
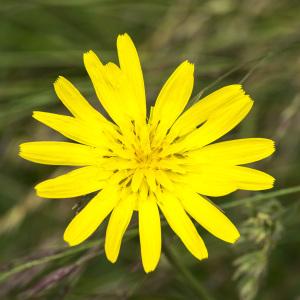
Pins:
x: 162, y: 161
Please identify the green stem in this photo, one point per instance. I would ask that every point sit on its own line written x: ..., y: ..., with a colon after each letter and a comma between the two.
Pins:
x: 258, y: 61
x: 68, y: 252
x: 175, y: 260
x: 259, y: 197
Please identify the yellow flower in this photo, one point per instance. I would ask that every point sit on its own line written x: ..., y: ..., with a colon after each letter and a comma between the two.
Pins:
x: 143, y: 162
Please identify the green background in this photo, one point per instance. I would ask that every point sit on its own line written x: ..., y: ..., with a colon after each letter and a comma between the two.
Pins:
x: 255, y: 42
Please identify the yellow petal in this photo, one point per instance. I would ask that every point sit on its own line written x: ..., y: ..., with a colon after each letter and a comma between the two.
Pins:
x: 59, y: 153
x: 150, y: 232
x: 105, y: 80
x: 214, y: 180
x: 76, y: 183
x: 173, y: 98
x: 117, y: 225
x: 209, y: 182
x: 182, y: 225
x: 73, y: 128
x: 219, y: 123
x: 236, y: 152
x: 208, y: 215
x: 133, y: 76
x: 137, y: 179
x: 91, y: 216
x: 163, y: 179
x: 249, y: 179
x: 75, y: 102
x: 150, y: 177
x: 202, y: 110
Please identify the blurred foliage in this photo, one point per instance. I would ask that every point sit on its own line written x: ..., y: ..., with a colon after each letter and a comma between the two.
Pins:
x: 256, y: 42
x: 259, y: 235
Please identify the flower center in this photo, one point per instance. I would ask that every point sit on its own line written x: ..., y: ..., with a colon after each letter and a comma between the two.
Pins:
x: 140, y: 161
x: 147, y: 160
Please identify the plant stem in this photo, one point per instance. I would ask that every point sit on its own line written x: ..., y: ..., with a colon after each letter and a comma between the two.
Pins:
x: 258, y: 61
x: 258, y: 197
x: 64, y: 253
x: 175, y: 260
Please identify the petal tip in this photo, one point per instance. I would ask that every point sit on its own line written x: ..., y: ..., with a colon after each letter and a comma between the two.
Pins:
x: 204, y: 255
x: 21, y: 150
x: 249, y: 99
x: 36, y: 114
x: 273, y: 182
x: 38, y: 189
x: 58, y: 81
x: 124, y: 36
x: 234, y: 238
x: 270, y: 183
x: 149, y: 269
x: 201, y: 254
x: 69, y: 240
x: 189, y: 65
x: 69, y: 243
x: 110, y: 258
x: 90, y: 54
x: 91, y: 60
x: 273, y: 145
